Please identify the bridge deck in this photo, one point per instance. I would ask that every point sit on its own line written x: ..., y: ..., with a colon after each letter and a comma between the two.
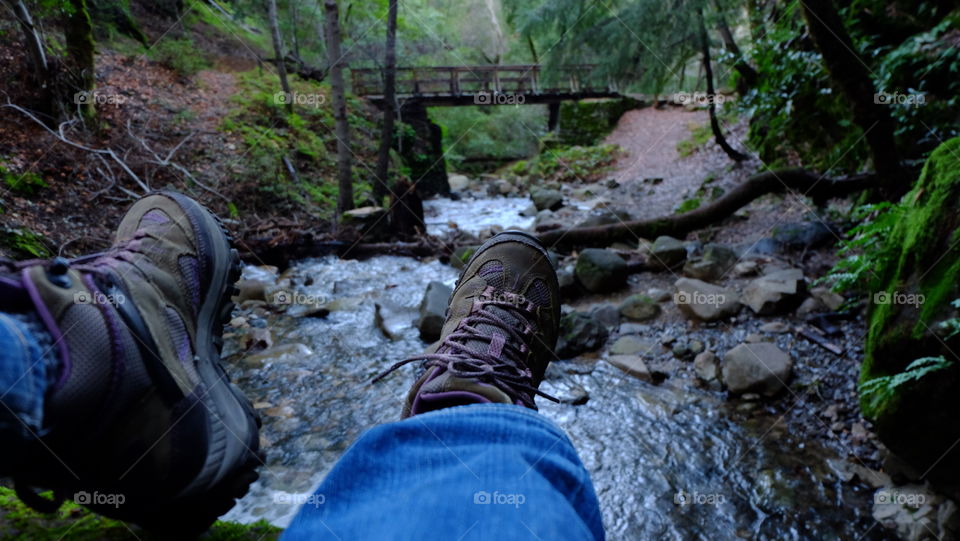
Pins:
x: 468, y: 85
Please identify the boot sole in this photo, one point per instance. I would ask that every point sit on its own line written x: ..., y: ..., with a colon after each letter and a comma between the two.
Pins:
x: 233, y: 453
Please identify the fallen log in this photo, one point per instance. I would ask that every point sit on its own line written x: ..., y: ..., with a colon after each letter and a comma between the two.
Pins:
x: 808, y: 183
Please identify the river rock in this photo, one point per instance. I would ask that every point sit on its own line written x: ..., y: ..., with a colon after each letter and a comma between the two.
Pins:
x: 458, y: 183
x: 707, y: 367
x: 529, y: 212
x: 606, y: 216
x: 658, y: 294
x: 748, y: 267
x: 757, y: 368
x: 776, y: 327
x: 916, y: 513
x: 667, y: 252
x: 830, y: 299
x: 546, y: 199
x: 716, y: 261
x: 639, y: 308
x: 433, y: 309
x: 601, y: 270
x: 706, y: 302
x: 775, y: 292
x: 251, y: 290
x: 804, y: 235
x: 607, y: 314
x: 631, y: 364
x: 567, y: 282
x: 579, y: 333
x: 633, y: 345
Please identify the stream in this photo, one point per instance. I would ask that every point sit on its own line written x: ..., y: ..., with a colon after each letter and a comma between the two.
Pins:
x: 668, y: 461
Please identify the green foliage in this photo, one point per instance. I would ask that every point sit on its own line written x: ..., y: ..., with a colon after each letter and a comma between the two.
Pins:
x: 883, y: 391
x: 26, y: 183
x: 576, y: 163
x: 687, y: 205
x: 23, y: 242
x: 72, y: 521
x: 495, y: 133
x: 865, y: 249
x: 180, y: 55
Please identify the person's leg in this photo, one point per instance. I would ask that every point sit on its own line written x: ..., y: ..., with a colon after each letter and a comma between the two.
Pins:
x: 471, y: 460
x: 139, y: 420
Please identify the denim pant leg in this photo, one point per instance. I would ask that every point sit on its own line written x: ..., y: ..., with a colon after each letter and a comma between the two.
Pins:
x: 26, y: 364
x: 487, y: 471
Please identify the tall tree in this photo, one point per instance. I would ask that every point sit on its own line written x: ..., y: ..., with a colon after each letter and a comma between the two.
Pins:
x: 78, y: 35
x: 712, y: 96
x: 850, y: 75
x: 342, y: 129
x: 31, y: 36
x: 381, y: 186
x: 278, y: 53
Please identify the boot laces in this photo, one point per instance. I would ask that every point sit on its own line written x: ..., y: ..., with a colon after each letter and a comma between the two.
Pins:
x: 503, y: 363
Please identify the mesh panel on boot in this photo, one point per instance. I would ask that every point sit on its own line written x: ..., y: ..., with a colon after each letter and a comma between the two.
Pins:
x: 181, y: 342
x: 538, y: 293
x: 190, y: 269
x: 88, y: 340
x: 492, y: 273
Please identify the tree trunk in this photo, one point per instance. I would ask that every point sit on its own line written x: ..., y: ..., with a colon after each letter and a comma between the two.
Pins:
x: 295, y: 24
x: 78, y: 34
x: 381, y: 185
x: 32, y: 40
x: 748, y: 75
x: 851, y: 77
x: 278, y: 53
x: 342, y: 130
x: 678, y: 225
x: 711, y: 96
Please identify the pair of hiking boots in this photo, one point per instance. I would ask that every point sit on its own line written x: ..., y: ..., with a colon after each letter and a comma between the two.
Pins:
x: 143, y: 424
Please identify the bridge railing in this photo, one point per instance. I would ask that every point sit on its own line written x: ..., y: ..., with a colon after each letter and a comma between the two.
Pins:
x: 438, y: 81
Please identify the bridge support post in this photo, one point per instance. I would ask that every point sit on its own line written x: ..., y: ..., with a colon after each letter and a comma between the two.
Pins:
x: 553, y: 122
x: 422, y: 151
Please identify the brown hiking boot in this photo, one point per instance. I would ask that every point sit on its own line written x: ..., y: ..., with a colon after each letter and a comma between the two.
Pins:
x: 142, y: 424
x: 500, y: 330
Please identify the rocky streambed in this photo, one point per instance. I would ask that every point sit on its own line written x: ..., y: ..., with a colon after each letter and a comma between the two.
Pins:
x: 672, y: 451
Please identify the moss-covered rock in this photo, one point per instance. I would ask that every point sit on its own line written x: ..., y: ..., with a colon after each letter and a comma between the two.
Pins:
x: 910, y: 378
x: 588, y: 122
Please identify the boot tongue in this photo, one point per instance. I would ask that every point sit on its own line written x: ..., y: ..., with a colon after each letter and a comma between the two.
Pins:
x: 493, y: 337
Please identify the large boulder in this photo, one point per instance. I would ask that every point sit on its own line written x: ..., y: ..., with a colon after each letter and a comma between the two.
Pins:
x: 717, y: 260
x: 775, y: 292
x: 703, y: 301
x: 580, y: 333
x: 601, y: 270
x: 910, y: 376
x: 761, y: 368
x: 667, y: 252
x: 433, y: 309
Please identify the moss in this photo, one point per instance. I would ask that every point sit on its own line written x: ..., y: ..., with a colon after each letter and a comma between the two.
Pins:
x: 26, y: 183
x: 72, y: 521
x: 588, y: 122
x: 23, y: 243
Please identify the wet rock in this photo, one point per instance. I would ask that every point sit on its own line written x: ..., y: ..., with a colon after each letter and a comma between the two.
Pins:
x: 632, y: 328
x: 500, y: 187
x: 829, y: 299
x: 916, y: 513
x: 631, y: 364
x: 775, y: 292
x: 365, y: 218
x: 804, y: 235
x: 667, y: 339
x: 579, y: 333
x: 667, y: 252
x: 748, y: 267
x: 706, y: 302
x: 810, y: 306
x: 681, y: 350
x: 279, y: 353
x: 606, y: 216
x: 633, y: 345
x: 251, y: 290
x: 546, y: 199
x: 716, y: 261
x: 529, y: 212
x: 707, y: 367
x: 568, y: 284
x: 607, y: 314
x: 658, y: 295
x: 756, y: 368
x: 257, y: 338
x: 433, y: 308
x: 458, y: 183
x: 639, y: 308
x: 754, y: 337
x: 575, y: 396
x: 776, y: 327
x: 601, y: 270
x: 461, y: 255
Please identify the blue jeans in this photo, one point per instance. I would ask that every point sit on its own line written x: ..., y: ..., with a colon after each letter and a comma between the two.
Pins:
x: 489, y: 471
x: 486, y: 471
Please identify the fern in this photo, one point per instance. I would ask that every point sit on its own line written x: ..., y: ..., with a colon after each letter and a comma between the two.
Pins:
x: 878, y: 391
x: 865, y: 249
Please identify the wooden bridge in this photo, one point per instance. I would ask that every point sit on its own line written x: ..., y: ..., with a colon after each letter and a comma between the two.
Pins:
x: 485, y: 85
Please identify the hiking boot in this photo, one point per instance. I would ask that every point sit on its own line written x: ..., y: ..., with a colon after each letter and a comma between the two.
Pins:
x: 142, y: 423
x: 500, y: 330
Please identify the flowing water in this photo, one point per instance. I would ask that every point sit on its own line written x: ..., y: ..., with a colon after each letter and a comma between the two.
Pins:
x: 667, y: 461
